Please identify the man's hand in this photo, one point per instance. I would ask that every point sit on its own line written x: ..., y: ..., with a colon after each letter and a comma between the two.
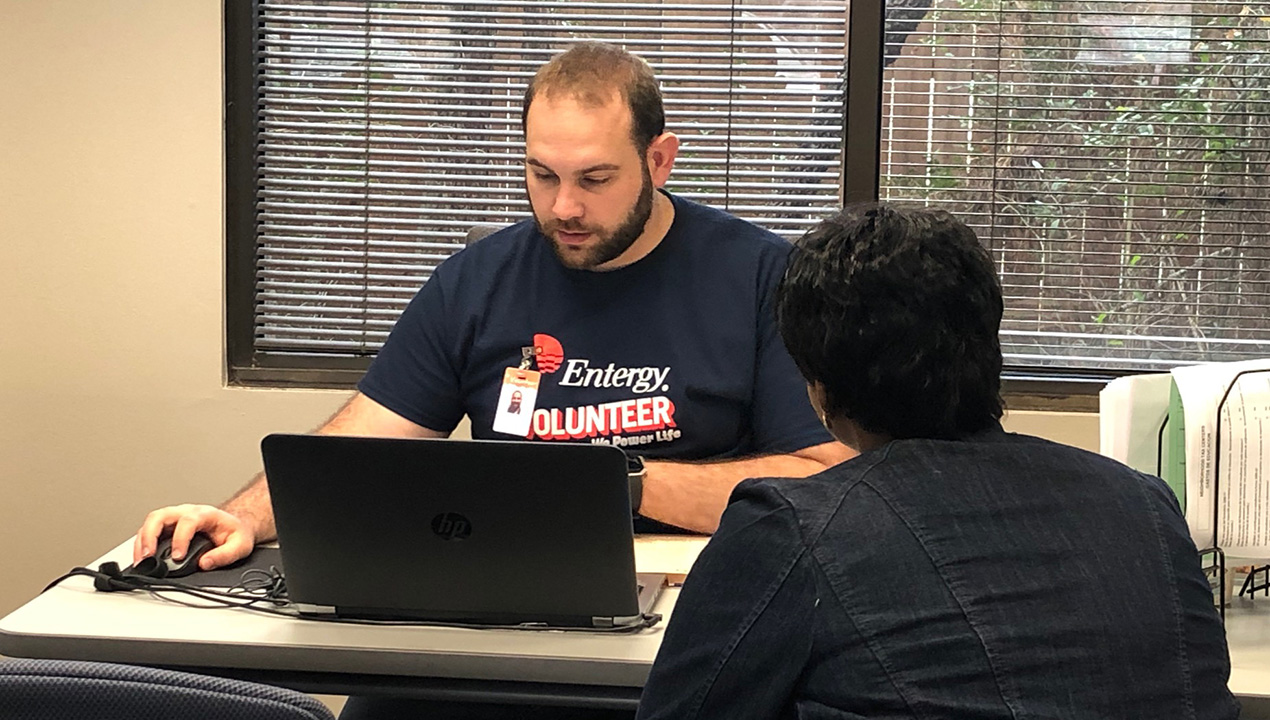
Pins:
x: 234, y: 538
x: 247, y: 518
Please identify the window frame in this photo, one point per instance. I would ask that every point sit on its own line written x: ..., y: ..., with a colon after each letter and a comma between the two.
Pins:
x: 248, y: 367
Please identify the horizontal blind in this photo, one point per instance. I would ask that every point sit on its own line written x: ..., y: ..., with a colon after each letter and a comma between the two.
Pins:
x: 1113, y: 156
x: 387, y: 129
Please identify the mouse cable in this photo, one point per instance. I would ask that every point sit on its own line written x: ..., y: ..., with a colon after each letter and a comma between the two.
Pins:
x: 247, y: 593
x: 271, y: 588
x: 647, y: 620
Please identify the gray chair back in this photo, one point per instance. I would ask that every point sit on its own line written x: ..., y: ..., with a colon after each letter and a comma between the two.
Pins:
x: 476, y: 232
x: 74, y: 690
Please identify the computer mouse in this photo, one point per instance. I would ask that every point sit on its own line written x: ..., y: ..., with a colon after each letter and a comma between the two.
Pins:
x: 162, y: 565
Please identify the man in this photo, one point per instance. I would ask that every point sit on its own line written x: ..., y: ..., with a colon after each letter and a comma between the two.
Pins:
x: 647, y: 318
x: 952, y: 570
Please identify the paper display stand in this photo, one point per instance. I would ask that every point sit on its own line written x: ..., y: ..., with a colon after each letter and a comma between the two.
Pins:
x: 1259, y: 577
x: 1250, y: 584
x: 1219, y: 558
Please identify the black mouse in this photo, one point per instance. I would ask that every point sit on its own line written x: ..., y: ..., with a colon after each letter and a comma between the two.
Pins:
x: 162, y: 565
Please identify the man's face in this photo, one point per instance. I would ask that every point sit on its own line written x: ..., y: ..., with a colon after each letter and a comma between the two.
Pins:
x: 589, y: 187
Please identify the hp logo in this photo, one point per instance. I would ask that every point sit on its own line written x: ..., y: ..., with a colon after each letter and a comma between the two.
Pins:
x: 451, y: 526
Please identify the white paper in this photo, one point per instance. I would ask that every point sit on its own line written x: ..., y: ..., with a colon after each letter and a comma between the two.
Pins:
x: 1131, y: 410
x: 1241, y: 460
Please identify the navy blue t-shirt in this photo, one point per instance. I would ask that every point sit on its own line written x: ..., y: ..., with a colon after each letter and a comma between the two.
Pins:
x: 674, y: 356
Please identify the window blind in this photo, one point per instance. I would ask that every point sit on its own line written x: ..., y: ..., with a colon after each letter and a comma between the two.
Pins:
x: 385, y: 130
x: 1114, y: 158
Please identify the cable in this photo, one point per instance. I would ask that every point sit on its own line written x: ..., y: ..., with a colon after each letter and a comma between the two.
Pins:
x: 269, y: 587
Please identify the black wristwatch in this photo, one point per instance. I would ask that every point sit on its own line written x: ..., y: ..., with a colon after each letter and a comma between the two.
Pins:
x: 635, y: 473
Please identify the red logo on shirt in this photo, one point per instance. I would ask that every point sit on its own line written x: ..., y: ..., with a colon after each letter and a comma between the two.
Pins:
x: 635, y: 421
x: 548, y: 353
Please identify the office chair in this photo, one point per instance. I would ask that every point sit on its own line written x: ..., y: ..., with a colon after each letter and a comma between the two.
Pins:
x: 476, y: 232
x: 74, y: 690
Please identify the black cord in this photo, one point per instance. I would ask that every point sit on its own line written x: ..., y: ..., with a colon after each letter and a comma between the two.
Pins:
x: 270, y: 581
x: 236, y: 596
x: 71, y: 574
x: 268, y: 587
x: 647, y: 620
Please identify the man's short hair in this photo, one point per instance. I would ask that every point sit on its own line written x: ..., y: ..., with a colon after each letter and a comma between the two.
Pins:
x: 591, y: 72
x: 896, y: 312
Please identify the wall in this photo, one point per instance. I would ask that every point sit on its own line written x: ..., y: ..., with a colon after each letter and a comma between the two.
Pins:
x: 111, y: 244
x: 112, y: 395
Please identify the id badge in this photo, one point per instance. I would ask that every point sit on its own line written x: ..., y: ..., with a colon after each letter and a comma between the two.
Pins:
x: 515, y: 411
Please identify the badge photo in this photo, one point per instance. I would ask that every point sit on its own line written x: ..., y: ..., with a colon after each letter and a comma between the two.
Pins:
x: 516, y: 400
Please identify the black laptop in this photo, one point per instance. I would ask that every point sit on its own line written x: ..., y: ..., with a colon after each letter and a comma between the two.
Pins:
x: 458, y: 531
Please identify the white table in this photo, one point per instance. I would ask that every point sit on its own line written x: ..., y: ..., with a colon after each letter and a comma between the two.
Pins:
x: 73, y: 621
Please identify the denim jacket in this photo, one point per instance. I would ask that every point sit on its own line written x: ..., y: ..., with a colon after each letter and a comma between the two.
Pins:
x: 1002, y: 576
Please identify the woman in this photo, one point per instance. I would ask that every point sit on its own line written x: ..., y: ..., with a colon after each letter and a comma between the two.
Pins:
x: 952, y: 570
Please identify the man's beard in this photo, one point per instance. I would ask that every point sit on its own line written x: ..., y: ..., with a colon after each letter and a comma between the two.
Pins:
x: 608, y: 245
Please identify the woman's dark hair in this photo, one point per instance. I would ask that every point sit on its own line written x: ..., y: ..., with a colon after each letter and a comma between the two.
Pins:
x: 896, y: 312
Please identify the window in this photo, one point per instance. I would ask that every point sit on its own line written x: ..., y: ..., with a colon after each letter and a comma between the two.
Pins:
x: 1112, y: 155
x: 377, y: 134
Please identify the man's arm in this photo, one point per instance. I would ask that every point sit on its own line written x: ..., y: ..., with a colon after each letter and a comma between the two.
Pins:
x: 359, y: 416
x: 247, y: 517
x: 693, y: 495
